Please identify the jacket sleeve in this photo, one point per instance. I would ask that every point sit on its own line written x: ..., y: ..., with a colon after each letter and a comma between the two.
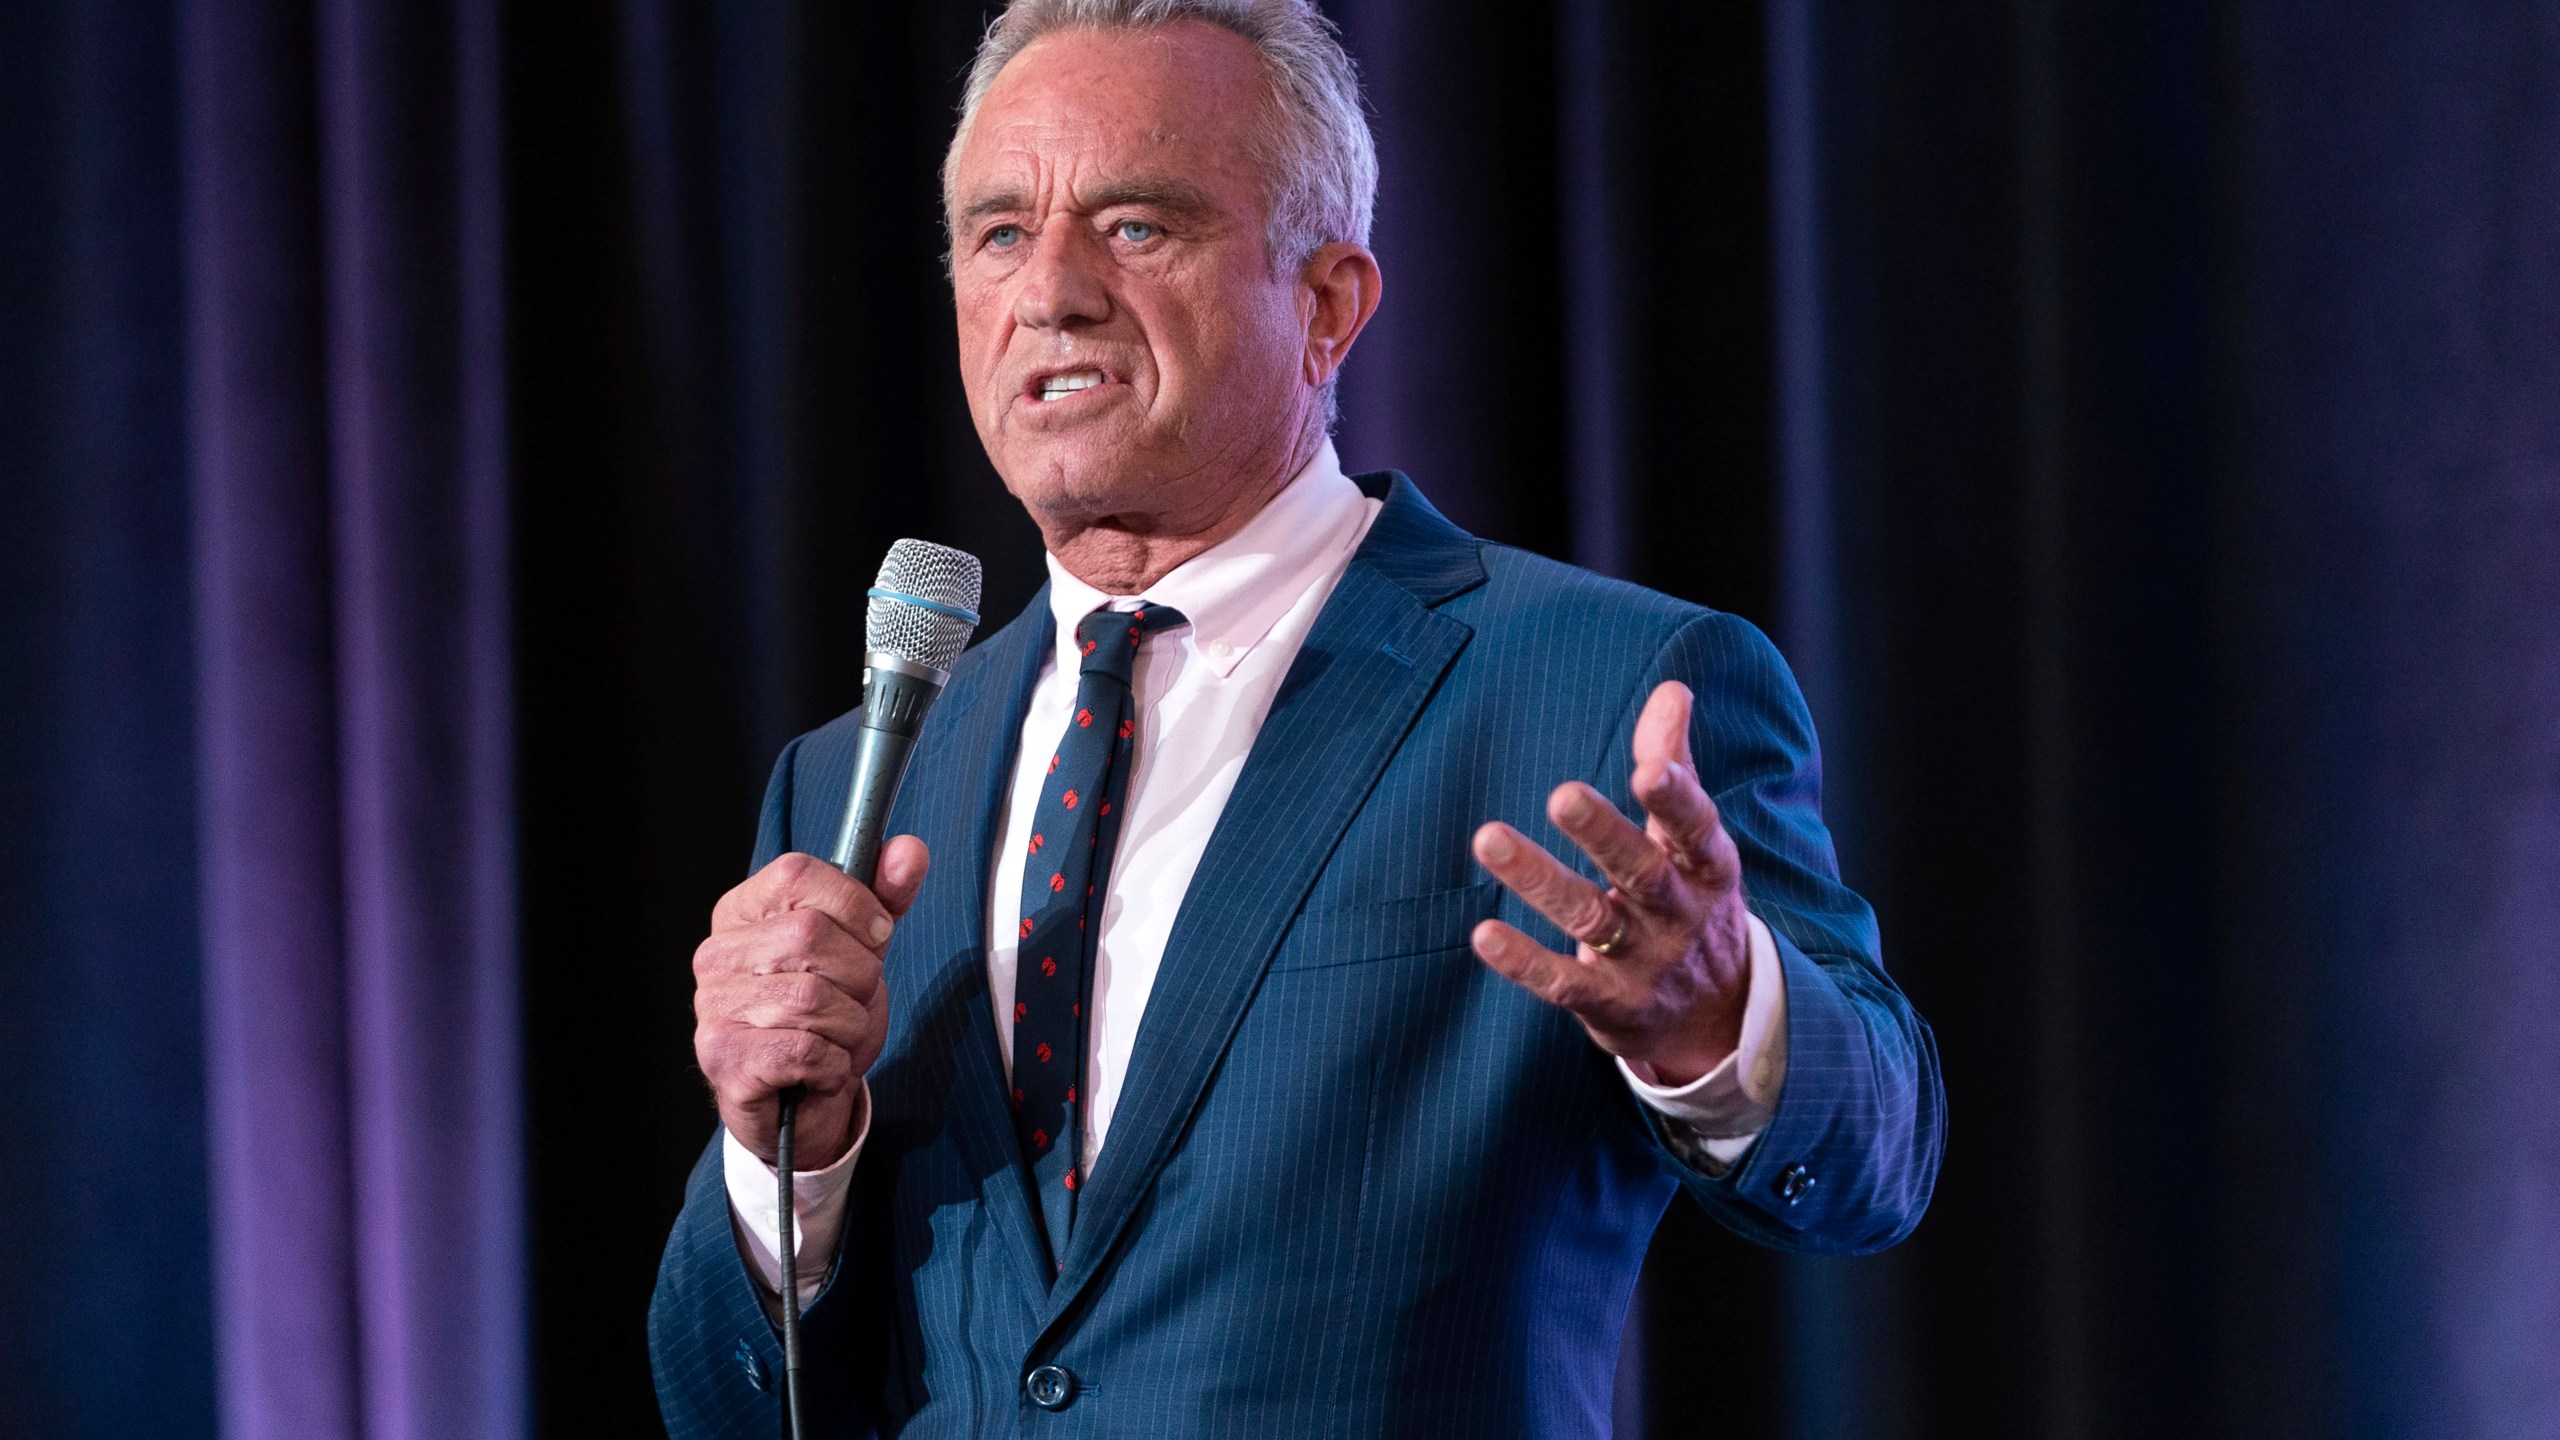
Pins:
x: 1847, y: 1162
x: 715, y: 1353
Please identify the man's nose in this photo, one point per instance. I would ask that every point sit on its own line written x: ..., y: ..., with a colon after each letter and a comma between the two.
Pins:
x: 1062, y: 286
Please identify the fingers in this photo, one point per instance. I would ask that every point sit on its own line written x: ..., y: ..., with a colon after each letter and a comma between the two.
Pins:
x: 1679, y: 815
x: 1576, y: 905
x: 1631, y: 859
x: 788, y: 991
x: 805, y: 882
x: 794, y: 941
x: 781, y: 1059
x: 1662, y: 731
x: 758, y: 1035
x: 748, y: 1068
x: 903, y: 862
x: 1557, y: 979
x: 794, y: 1001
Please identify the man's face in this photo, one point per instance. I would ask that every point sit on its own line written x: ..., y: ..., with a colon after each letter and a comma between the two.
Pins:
x: 1130, y: 353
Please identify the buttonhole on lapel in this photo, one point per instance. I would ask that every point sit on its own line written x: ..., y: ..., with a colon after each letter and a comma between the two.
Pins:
x: 1391, y: 652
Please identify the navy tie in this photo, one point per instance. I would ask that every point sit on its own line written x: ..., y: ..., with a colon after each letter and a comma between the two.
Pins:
x: 1065, y: 878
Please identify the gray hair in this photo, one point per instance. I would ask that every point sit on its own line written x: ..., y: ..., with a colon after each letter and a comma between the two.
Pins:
x: 1320, y: 157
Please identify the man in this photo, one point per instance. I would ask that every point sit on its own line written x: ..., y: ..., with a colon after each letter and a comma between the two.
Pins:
x: 1247, y: 1062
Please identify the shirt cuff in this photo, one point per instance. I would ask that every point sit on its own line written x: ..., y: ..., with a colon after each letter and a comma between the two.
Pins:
x: 1712, y: 1120
x: 817, y: 1209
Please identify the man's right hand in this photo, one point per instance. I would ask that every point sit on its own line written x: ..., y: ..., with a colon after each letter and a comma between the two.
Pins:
x: 787, y: 992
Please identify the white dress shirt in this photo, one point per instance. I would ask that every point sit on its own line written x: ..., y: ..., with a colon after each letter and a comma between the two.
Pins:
x: 1202, y: 693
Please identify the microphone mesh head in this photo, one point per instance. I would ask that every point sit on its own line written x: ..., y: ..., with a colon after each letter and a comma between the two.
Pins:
x: 919, y: 570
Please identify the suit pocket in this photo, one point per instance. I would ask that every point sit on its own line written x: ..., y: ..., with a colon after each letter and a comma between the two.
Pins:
x: 1387, y: 929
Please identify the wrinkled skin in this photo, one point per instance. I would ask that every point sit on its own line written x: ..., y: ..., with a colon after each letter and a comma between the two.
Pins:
x: 1109, y: 216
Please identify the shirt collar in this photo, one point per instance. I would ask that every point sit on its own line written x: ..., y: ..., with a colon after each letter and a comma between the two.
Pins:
x: 1236, y: 590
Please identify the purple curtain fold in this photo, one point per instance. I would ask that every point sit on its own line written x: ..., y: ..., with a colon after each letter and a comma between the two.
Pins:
x: 342, y: 186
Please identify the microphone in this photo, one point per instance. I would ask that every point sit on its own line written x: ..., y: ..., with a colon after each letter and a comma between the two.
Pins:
x: 923, y: 609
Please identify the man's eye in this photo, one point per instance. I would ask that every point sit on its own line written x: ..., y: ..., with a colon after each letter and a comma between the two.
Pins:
x: 1004, y: 237
x: 1136, y: 232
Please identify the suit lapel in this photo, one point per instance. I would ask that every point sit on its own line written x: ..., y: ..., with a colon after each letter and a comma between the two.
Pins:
x: 1369, y: 665
x: 985, y: 733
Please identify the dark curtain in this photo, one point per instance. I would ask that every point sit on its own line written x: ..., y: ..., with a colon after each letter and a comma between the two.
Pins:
x: 259, y: 1080
x: 442, y: 446
x: 106, y: 1312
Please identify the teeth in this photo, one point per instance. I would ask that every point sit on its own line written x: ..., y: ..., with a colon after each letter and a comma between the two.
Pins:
x: 1068, y: 384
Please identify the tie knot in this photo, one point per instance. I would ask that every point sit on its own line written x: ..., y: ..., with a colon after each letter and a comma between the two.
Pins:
x: 1109, y: 638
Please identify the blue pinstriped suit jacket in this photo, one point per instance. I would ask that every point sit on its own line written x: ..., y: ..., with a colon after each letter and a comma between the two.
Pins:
x: 1357, y: 1184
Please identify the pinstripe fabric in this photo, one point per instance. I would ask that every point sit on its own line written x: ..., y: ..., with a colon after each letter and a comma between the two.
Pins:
x: 1358, y: 1184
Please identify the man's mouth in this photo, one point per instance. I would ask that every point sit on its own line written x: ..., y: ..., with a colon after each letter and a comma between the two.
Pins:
x: 1058, y: 386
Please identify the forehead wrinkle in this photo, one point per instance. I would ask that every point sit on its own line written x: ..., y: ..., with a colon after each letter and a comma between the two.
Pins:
x: 999, y: 203
x: 1055, y: 126
x: 1165, y: 193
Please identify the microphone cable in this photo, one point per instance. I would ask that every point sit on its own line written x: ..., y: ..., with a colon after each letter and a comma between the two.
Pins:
x: 783, y: 1162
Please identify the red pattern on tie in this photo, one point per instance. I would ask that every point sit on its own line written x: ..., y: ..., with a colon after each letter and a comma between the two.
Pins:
x: 1084, y: 791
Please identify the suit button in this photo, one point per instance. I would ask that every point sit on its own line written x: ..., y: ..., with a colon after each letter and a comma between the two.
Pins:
x: 1050, y: 1387
x: 748, y: 1361
x: 1793, y: 1182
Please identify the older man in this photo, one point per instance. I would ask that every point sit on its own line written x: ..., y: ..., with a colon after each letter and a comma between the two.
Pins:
x: 1208, y: 1086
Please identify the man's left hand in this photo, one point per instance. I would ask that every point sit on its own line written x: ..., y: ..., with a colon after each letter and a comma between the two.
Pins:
x: 1664, y: 959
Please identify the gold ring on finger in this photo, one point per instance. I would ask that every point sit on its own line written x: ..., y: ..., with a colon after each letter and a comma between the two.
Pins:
x: 1617, y: 937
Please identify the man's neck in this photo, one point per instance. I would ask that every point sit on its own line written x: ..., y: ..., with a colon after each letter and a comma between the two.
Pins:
x: 1124, y: 554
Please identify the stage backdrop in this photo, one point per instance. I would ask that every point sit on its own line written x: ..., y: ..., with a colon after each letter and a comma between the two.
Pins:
x: 442, y: 446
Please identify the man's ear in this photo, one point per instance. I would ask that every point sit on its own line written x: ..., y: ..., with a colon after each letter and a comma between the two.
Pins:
x: 1341, y: 283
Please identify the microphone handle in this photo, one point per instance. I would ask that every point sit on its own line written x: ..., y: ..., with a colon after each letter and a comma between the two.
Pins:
x: 894, y: 700
x: 895, y: 695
